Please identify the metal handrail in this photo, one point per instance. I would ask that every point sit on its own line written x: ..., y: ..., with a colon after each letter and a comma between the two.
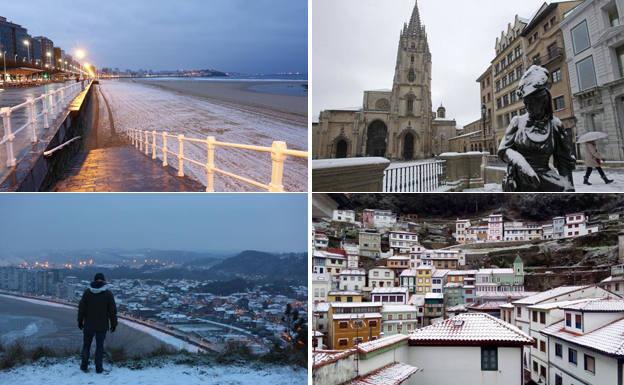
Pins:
x: 279, y: 153
x: 421, y: 177
x: 53, y: 103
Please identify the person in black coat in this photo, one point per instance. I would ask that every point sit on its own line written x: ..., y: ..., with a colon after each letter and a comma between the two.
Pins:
x: 97, y: 313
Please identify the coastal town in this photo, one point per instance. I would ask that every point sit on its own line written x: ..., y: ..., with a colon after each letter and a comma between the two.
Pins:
x: 251, y: 317
x: 385, y: 306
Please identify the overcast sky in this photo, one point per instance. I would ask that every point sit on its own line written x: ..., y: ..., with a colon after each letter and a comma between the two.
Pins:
x: 266, y: 36
x: 196, y: 222
x: 355, y: 46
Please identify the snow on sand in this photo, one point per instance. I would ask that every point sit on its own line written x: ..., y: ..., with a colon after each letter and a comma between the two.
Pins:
x: 68, y: 373
x: 146, y: 107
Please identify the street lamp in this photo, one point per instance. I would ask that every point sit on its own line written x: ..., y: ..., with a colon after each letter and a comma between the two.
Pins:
x: 27, y: 44
x: 4, y: 62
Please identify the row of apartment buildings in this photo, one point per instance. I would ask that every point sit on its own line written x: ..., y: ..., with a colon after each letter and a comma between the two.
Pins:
x: 20, y: 49
x: 581, y: 44
x: 495, y: 229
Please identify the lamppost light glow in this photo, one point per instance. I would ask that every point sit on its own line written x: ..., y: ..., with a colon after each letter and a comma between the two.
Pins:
x: 80, y: 54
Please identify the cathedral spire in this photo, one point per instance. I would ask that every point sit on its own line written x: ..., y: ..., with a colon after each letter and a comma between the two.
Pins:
x: 414, y: 25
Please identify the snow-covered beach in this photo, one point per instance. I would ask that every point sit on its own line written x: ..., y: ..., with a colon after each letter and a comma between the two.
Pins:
x: 135, y: 104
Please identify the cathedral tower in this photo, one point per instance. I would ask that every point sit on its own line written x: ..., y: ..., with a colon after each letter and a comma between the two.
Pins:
x: 411, y: 91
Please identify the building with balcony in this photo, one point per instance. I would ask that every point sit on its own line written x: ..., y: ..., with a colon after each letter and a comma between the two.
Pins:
x: 508, y: 67
x: 586, y: 346
x: 399, y: 319
x: 402, y: 241
x: 347, y: 216
x: 594, y: 47
x: 370, y: 244
x: 351, y: 324
x: 545, y: 47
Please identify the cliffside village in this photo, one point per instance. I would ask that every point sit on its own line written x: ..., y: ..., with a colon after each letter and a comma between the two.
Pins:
x: 405, y: 314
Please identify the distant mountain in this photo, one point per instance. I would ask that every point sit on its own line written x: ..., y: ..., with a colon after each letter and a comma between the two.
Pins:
x: 112, y: 256
x: 251, y: 263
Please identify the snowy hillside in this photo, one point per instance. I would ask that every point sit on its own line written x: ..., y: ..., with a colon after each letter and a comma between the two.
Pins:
x: 68, y: 373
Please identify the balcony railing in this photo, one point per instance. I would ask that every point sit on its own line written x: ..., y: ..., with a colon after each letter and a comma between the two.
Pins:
x: 40, y: 112
x: 423, y: 177
x: 152, y: 142
x: 617, y: 270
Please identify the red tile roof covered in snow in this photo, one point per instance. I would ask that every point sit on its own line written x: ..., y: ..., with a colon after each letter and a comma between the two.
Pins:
x: 470, y: 329
x: 393, y: 374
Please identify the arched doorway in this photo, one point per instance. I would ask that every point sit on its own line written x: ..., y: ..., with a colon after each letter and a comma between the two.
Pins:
x: 377, y: 139
x: 341, y: 149
x: 408, y: 146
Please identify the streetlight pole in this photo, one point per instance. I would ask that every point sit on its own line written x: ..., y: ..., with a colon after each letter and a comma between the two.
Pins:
x: 4, y: 78
x: 27, y: 44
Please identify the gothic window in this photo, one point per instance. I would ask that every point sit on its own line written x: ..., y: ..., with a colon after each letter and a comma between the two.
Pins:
x: 412, y: 59
x: 411, y: 76
x: 413, y: 45
x: 410, y: 105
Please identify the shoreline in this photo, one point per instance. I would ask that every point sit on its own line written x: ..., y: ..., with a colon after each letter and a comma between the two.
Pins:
x: 240, y: 95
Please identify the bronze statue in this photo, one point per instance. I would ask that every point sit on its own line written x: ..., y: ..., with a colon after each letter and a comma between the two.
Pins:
x: 534, y: 138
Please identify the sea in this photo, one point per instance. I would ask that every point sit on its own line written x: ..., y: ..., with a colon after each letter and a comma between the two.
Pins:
x: 275, y: 84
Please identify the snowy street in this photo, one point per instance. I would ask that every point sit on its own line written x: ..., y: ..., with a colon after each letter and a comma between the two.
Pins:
x: 144, y: 107
x: 597, y: 184
x: 68, y: 373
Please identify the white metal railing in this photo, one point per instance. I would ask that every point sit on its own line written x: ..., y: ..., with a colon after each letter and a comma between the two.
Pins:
x: 147, y: 142
x: 422, y: 177
x: 617, y: 270
x: 48, y: 106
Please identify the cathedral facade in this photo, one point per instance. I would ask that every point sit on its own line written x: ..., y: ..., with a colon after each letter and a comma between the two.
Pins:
x: 397, y: 124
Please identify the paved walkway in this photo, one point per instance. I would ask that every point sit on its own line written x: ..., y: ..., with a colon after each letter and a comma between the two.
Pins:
x: 123, y: 169
x: 110, y: 164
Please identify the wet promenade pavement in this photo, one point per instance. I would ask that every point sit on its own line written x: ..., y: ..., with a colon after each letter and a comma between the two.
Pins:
x: 108, y: 163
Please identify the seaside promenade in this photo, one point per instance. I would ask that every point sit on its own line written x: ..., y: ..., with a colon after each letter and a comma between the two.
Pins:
x: 109, y: 163
x: 142, y: 136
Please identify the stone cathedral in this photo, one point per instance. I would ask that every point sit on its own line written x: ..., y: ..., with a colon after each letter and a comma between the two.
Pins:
x: 397, y: 124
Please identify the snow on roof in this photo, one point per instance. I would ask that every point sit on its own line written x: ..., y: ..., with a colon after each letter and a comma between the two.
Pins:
x: 390, y: 308
x: 393, y: 374
x: 385, y: 290
x: 439, y: 273
x: 416, y: 299
x: 353, y: 272
x: 597, y: 305
x: 356, y: 304
x: 548, y: 294
x: 495, y: 271
x: 344, y: 292
x: 355, y: 316
x: 380, y: 343
x: 608, y: 339
x: 321, y: 307
x: 470, y: 329
x: 408, y: 273
x: 325, y: 357
x: 557, y: 305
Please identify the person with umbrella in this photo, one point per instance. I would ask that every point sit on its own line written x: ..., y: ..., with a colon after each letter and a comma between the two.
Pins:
x: 593, y: 159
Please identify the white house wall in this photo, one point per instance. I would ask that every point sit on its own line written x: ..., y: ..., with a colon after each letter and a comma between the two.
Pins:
x: 462, y: 365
